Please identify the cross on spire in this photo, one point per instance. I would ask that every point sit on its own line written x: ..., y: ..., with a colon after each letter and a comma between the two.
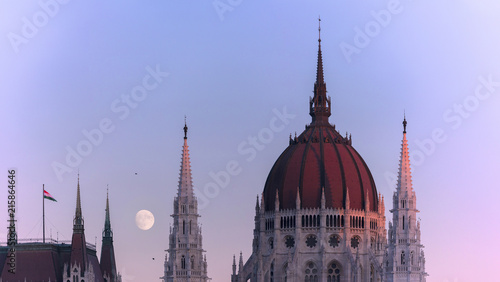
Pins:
x: 185, y: 128
x: 404, y: 123
x: 319, y: 28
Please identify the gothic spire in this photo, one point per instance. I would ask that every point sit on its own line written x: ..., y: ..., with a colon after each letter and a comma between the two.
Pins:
x: 319, y: 105
x: 107, y: 233
x: 107, y: 261
x: 78, y: 220
x: 78, y: 243
x: 319, y: 71
x: 185, y: 180
x: 404, y: 175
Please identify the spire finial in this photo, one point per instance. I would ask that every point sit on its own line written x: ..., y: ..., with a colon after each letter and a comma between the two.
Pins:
x: 404, y: 122
x: 185, y: 128
x: 319, y: 104
x: 319, y: 29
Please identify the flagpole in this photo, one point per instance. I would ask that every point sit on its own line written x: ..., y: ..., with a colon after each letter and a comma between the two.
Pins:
x: 43, y: 200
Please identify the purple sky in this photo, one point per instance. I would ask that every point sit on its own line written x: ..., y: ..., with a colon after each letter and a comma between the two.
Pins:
x: 70, y: 68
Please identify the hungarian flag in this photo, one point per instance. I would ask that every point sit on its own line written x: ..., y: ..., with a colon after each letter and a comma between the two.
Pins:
x: 46, y: 195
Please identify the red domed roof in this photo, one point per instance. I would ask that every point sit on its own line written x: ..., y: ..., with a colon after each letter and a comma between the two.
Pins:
x: 320, y: 158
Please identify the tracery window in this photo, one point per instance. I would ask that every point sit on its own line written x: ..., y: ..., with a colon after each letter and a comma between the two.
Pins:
x: 311, y: 241
x: 333, y: 272
x: 334, y: 241
x: 311, y: 272
x: 355, y: 242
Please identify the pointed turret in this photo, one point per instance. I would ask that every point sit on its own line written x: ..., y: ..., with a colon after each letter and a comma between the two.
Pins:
x: 323, y: 200
x: 107, y: 233
x: 185, y: 179
x: 277, y: 201
x: 262, y: 204
x: 107, y: 261
x: 257, y: 208
x: 347, y: 201
x: 404, y: 175
x: 367, y: 202
x: 320, y: 104
x: 240, y: 266
x: 297, y: 199
x: 78, y: 220
x: 234, y: 264
x: 78, y: 257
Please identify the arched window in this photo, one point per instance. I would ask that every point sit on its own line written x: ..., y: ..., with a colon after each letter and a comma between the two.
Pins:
x: 403, y: 222
x: 411, y: 258
x: 333, y: 272
x: 403, y: 258
x: 190, y: 227
x: 183, y: 262
x: 192, y: 262
x: 183, y: 227
x: 311, y: 272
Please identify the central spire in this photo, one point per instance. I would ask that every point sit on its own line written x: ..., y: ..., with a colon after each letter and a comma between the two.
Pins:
x: 320, y: 104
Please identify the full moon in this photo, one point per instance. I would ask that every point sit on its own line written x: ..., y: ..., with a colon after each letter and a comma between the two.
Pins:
x: 144, y: 219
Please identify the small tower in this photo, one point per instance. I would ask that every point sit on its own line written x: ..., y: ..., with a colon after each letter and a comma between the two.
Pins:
x: 79, y: 268
x: 405, y: 255
x: 185, y: 260
x: 108, y: 262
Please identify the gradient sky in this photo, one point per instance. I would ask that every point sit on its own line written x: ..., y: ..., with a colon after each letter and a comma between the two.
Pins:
x: 229, y: 70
